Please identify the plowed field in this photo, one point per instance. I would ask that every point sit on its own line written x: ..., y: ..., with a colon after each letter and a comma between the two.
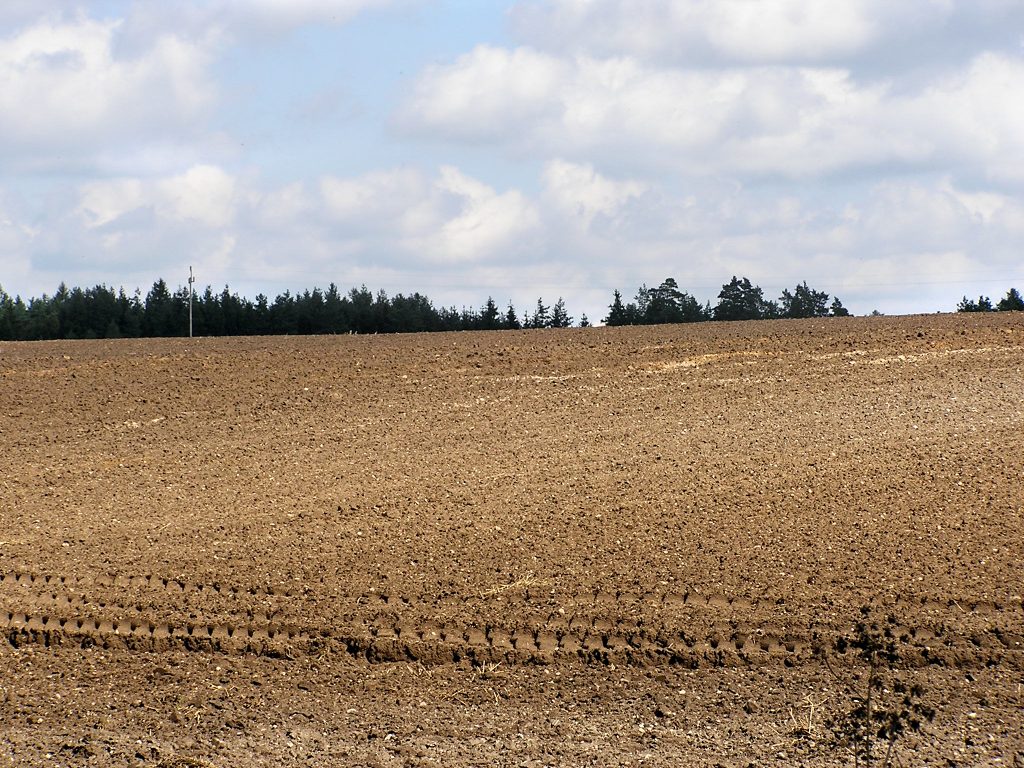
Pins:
x: 584, y: 547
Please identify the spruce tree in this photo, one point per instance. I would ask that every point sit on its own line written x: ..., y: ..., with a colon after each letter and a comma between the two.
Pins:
x: 560, y: 318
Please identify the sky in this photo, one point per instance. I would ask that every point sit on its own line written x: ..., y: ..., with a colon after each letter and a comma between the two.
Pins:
x: 537, y: 148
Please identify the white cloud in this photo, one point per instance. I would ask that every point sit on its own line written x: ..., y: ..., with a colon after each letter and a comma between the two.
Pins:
x: 582, y: 195
x: 229, y: 22
x: 940, y: 217
x: 65, y: 89
x: 275, y: 15
x: 104, y: 202
x: 374, y: 200
x: 486, y: 224
x: 16, y: 238
x: 451, y: 218
x: 780, y: 30
x: 782, y: 139
x: 203, y: 195
x: 501, y: 90
x: 745, y: 31
x: 788, y: 121
x: 86, y: 90
x: 235, y: 229
x: 17, y: 12
x: 899, y: 246
x: 976, y: 115
x: 280, y: 207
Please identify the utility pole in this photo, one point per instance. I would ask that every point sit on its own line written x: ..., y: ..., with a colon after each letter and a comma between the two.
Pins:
x: 191, y: 280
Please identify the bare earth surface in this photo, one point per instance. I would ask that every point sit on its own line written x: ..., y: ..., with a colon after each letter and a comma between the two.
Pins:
x: 589, y: 547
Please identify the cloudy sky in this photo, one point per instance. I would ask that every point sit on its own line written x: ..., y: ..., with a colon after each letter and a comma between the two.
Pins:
x: 466, y: 148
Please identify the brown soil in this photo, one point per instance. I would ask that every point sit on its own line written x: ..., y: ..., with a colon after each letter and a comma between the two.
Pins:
x: 589, y: 547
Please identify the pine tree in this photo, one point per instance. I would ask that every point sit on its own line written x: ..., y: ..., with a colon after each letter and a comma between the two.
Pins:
x: 560, y: 318
x: 1012, y: 302
x: 804, y: 302
x: 541, y: 316
x: 489, y: 316
x: 511, y: 321
x: 739, y: 300
x: 616, y: 311
x: 983, y: 304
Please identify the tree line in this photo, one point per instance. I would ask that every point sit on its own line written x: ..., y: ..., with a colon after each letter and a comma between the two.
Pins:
x: 102, y: 312
x: 1011, y: 302
x: 739, y: 299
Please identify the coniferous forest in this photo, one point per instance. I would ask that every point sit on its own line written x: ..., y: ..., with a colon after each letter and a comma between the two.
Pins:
x: 102, y: 312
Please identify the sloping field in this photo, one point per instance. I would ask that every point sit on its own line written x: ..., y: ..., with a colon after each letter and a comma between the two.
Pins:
x: 602, y: 546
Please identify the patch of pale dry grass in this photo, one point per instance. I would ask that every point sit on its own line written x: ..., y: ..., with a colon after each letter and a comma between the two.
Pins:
x: 524, y: 582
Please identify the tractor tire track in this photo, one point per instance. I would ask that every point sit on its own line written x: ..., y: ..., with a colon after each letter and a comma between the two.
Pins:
x: 105, y: 611
x: 434, y: 644
x: 599, y: 601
